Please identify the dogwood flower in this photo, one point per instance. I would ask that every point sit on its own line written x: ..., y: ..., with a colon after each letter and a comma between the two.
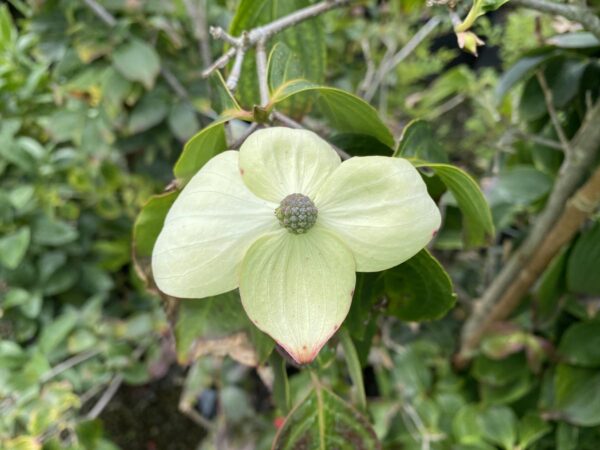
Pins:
x: 289, y: 224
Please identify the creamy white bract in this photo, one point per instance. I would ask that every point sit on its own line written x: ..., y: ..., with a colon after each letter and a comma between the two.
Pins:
x: 221, y: 233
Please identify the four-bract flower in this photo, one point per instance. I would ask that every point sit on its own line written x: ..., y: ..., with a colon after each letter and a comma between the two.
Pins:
x: 289, y: 224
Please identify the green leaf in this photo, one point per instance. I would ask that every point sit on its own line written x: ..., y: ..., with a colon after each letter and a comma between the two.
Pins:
x: 53, y: 232
x: 13, y: 247
x: 531, y: 429
x: 522, y: 185
x: 283, y: 65
x: 149, y: 222
x: 519, y: 72
x: 418, y: 141
x: 221, y: 97
x: 583, y: 263
x: 477, y: 217
x: 183, y: 121
x: 207, y: 319
x: 550, y: 289
x: 577, y: 39
x: 345, y: 112
x: 359, y: 144
x: 57, y: 331
x: 499, y: 426
x: 137, y: 61
x: 580, y: 345
x: 151, y: 110
x: 324, y: 421
x: 499, y: 372
x: 577, y: 395
x: 306, y: 40
x: 419, y: 289
x: 207, y: 143
x: 567, y: 436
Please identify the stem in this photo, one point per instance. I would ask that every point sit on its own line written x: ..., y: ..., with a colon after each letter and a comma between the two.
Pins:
x: 261, y: 71
x: 354, y: 368
x: 68, y: 364
x: 584, y: 150
x: 552, y: 112
x: 581, y: 14
x: 387, y: 65
x: 260, y: 35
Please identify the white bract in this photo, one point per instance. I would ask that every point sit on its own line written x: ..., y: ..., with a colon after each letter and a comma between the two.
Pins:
x: 222, y: 232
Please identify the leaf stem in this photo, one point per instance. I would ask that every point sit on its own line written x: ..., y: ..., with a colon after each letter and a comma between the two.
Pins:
x: 354, y: 368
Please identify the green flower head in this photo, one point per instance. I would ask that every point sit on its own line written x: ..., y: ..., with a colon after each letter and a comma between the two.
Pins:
x: 289, y: 224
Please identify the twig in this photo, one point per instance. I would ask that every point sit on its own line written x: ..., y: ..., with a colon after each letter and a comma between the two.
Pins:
x: 261, y: 72
x: 288, y: 121
x: 251, y: 129
x: 552, y: 112
x: 576, y: 13
x: 371, y: 69
x: 101, y: 12
x: 584, y: 150
x: 197, y: 12
x: 174, y: 83
x: 110, y: 392
x: 234, y: 76
x: 263, y: 33
x: 111, y: 21
x: 389, y: 64
x: 68, y: 364
x: 585, y: 201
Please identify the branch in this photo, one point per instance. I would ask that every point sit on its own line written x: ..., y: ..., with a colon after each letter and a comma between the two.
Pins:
x: 101, y: 12
x: 110, y: 392
x: 67, y: 364
x: 584, y: 150
x: 581, y: 14
x: 255, y: 36
x: 198, y: 16
x: 552, y: 112
x: 111, y: 22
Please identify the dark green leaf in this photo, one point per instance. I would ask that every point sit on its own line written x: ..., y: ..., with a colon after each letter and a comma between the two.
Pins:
x: 577, y: 395
x: 499, y: 426
x: 520, y: 72
x: 583, y: 263
x: 419, y: 289
x: 477, y: 217
x: 345, y: 112
x: 531, y: 429
x: 306, y: 40
x: 360, y: 144
x: 418, y: 141
x: 324, y: 421
x: 577, y: 39
x: 580, y: 345
x: 522, y: 185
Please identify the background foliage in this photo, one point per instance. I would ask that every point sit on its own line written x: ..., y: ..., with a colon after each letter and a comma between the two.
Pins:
x: 95, y: 112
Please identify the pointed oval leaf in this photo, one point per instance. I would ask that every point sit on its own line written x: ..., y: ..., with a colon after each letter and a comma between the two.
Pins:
x: 344, y: 111
x: 419, y: 289
x: 477, y: 217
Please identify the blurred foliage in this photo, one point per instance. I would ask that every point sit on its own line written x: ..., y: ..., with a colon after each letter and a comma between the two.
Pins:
x: 93, y: 116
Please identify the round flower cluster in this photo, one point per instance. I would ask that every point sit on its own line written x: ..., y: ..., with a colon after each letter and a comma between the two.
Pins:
x: 297, y: 213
